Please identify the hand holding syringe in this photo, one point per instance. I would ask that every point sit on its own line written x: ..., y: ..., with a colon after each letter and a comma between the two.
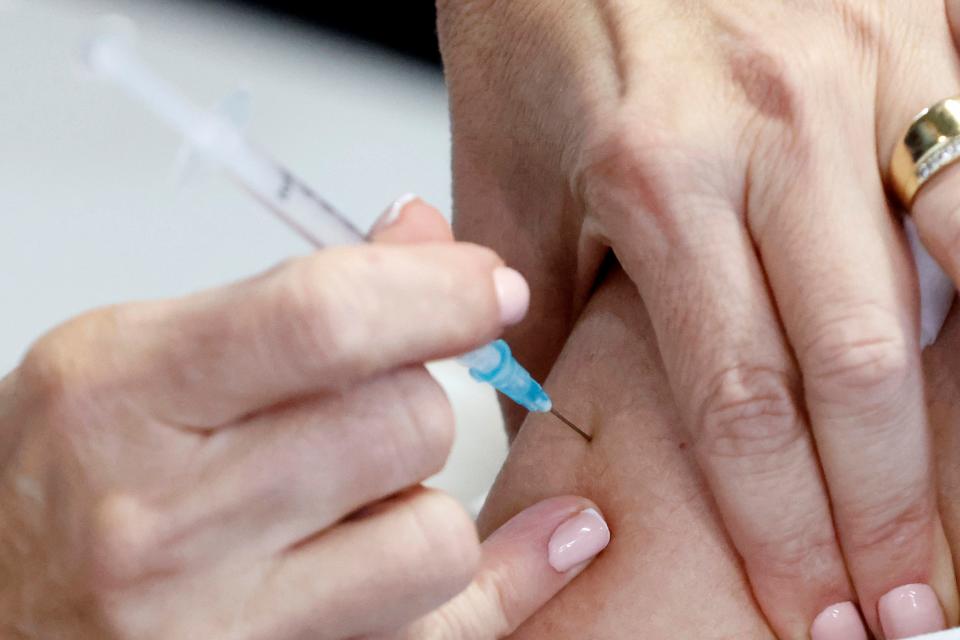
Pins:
x: 216, y: 138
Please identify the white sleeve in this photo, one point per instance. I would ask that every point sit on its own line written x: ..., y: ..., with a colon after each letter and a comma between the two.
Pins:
x: 936, y: 295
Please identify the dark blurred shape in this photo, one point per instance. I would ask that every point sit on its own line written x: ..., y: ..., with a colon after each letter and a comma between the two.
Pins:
x: 404, y: 26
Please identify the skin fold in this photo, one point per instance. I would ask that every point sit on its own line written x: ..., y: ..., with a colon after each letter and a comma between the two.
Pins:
x: 670, y: 571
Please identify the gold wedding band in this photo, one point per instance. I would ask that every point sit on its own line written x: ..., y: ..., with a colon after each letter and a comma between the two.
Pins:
x: 932, y: 143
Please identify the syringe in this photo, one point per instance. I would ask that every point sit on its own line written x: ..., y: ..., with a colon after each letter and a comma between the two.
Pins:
x: 217, y: 139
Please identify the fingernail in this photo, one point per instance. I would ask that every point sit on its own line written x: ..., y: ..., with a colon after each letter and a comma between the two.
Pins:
x: 577, y: 540
x: 390, y: 216
x: 910, y: 611
x: 513, y: 294
x: 838, y: 622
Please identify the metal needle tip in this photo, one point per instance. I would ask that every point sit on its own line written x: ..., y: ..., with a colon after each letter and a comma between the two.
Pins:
x: 562, y: 419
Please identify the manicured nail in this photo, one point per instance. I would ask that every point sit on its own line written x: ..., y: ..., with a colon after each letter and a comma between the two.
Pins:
x: 838, y: 622
x: 910, y: 611
x: 513, y: 294
x: 578, y: 540
x: 390, y: 216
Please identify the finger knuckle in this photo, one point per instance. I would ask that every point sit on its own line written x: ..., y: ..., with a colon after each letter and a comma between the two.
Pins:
x: 121, y: 547
x: 783, y: 82
x: 795, y: 553
x: 444, y: 542
x: 863, y: 25
x: 121, y: 553
x: 784, y: 70
x: 863, y: 351
x: 495, y: 616
x: 627, y: 169
x: 890, y: 524
x: 768, y: 77
x: 318, y: 301
x: 501, y: 591
x: 63, y: 368
x: 749, y: 411
x: 45, y: 370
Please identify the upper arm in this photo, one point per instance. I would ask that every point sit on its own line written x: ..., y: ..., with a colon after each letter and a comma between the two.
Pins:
x: 669, y: 571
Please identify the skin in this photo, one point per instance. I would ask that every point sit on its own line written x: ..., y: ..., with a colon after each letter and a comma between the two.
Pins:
x: 731, y: 155
x: 212, y: 467
x: 671, y: 571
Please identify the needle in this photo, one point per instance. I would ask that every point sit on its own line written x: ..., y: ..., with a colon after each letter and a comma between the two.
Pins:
x: 560, y: 417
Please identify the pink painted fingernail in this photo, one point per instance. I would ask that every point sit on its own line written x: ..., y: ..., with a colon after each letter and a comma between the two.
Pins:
x: 513, y: 294
x: 578, y: 540
x: 390, y: 216
x: 838, y: 622
x: 910, y: 611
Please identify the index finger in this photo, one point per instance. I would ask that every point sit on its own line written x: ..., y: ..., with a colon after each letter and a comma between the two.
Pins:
x: 842, y: 278
x: 319, y: 323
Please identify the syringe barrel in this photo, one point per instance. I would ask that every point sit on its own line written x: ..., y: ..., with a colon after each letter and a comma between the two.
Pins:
x: 495, y: 365
x: 285, y: 195
x: 214, y: 137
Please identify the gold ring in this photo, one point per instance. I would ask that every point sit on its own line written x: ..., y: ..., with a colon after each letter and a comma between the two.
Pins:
x: 932, y: 143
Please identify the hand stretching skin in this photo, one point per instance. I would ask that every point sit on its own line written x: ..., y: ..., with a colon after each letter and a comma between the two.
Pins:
x: 244, y: 463
x: 731, y: 154
x: 671, y: 571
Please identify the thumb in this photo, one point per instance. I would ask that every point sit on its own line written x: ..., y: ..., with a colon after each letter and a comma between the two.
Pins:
x: 525, y: 563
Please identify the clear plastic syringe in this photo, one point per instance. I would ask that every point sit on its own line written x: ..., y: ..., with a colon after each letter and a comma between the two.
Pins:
x: 214, y: 137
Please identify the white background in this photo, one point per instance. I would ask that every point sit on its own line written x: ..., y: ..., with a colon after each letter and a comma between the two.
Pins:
x: 91, y: 210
